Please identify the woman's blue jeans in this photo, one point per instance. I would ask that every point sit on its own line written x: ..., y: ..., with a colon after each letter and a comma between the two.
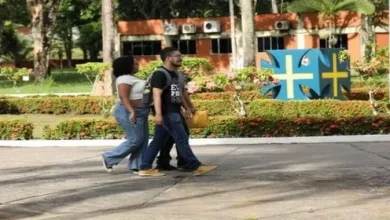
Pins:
x: 137, y: 137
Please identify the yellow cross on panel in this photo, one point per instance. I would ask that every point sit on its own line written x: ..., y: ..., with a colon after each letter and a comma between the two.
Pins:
x: 335, y: 75
x: 290, y: 76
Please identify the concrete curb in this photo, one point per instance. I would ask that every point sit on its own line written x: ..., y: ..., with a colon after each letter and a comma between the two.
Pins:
x: 205, y: 142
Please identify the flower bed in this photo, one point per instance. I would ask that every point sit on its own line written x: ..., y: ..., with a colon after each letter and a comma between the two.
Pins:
x: 15, y: 130
x: 234, y: 127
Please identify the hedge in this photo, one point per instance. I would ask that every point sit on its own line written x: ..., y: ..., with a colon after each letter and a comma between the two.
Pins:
x: 234, y: 127
x: 54, y: 105
x: 218, y: 107
x: 16, y: 130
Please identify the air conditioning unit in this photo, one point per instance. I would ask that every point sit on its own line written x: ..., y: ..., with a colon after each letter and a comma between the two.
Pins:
x: 171, y: 29
x: 211, y: 27
x: 188, y: 29
x: 282, y: 25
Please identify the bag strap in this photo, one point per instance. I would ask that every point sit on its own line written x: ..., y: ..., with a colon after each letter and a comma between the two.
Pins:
x: 180, y: 77
x: 167, y: 76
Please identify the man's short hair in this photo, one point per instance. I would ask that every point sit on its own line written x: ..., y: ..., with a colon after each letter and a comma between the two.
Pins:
x: 166, y: 52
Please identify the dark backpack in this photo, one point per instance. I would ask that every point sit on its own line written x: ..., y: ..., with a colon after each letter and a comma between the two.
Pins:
x: 147, y: 98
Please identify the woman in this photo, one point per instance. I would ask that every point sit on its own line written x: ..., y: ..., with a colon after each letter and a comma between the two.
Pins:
x: 130, y: 115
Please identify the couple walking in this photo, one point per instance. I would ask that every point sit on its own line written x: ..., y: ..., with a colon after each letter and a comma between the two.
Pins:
x: 169, y: 96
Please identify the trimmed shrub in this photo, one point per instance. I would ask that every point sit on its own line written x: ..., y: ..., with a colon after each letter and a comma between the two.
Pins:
x: 314, y: 108
x: 234, y: 127
x: 216, y: 107
x: 16, y: 130
x: 53, y: 105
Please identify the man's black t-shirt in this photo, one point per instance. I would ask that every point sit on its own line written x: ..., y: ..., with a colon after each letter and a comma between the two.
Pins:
x: 171, y: 96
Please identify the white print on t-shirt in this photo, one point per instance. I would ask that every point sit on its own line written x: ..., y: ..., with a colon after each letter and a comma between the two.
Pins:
x: 175, y: 91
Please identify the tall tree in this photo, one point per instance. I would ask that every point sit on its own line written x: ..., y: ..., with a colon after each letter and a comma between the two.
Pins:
x: 368, y: 25
x: 105, y: 87
x: 274, y: 4
x: 12, y: 12
x: 248, y: 32
x: 329, y: 8
x: 43, y: 17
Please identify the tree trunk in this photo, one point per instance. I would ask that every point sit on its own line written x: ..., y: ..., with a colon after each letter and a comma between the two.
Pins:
x: 248, y: 31
x: 1, y: 33
x: 43, y: 17
x: 368, y: 36
x: 274, y: 4
x: 167, y: 38
x: 239, y: 42
x: 233, y: 35
x: 105, y: 87
x: 68, y: 45
x: 85, y: 53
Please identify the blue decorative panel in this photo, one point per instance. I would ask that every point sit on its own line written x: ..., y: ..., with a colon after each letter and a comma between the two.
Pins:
x: 307, y: 74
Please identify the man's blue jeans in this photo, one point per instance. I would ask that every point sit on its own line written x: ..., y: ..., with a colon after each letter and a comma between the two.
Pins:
x: 172, y: 126
x: 137, y: 137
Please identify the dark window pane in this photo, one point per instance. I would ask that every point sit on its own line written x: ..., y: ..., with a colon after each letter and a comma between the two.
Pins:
x: 267, y: 43
x: 127, y: 48
x: 215, y: 45
x: 260, y: 44
x: 274, y: 43
x: 342, y: 42
x: 147, y: 48
x: 219, y: 46
x: 175, y: 44
x: 183, y: 47
x: 137, y: 48
x: 156, y: 47
x: 225, y: 46
x: 281, y: 43
x: 192, y: 47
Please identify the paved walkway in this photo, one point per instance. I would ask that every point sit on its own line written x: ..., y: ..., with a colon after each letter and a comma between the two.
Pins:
x: 298, y: 181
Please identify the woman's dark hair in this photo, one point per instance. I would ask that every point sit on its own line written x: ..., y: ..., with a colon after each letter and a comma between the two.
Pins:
x: 123, y: 66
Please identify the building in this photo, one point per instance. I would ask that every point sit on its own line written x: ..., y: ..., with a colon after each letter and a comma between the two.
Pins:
x: 144, y: 39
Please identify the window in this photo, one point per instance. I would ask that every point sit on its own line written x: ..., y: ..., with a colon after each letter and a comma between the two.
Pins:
x: 270, y: 43
x: 219, y: 46
x: 185, y: 46
x: 141, y: 48
x: 342, y: 42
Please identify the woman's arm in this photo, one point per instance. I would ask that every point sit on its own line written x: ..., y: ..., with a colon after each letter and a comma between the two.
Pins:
x: 124, y: 94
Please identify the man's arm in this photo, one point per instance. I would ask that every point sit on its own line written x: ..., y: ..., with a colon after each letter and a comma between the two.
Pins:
x: 188, y: 102
x: 157, y: 105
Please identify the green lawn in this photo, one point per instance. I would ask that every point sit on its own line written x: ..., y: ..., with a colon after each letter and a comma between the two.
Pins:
x: 61, y: 81
x: 41, y: 120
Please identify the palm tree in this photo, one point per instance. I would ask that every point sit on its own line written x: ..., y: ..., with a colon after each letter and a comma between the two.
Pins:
x: 329, y: 8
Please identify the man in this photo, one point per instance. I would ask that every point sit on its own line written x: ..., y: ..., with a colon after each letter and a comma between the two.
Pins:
x: 168, y: 99
x: 164, y: 158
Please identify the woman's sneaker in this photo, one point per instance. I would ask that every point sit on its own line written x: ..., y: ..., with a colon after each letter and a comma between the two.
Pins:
x: 150, y: 172
x: 203, y: 169
x: 106, y: 166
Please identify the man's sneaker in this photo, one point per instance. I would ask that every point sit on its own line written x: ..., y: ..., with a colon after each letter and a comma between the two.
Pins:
x: 167, y: 167
x: 106, y: 166
x: 135, y: 171
x: 184, y: 168
x: 150, y: 172
x: 203, y: 169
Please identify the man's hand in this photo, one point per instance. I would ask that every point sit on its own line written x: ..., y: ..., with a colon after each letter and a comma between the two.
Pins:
x: 158, y: 119
x: 188, y: 113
